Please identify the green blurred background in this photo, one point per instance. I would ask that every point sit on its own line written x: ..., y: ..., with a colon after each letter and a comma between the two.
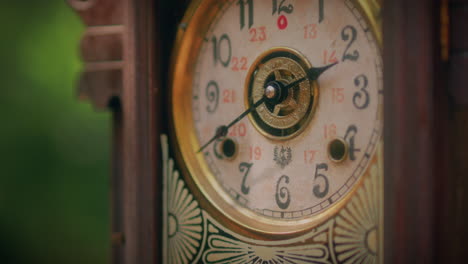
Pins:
x: 54, y: 149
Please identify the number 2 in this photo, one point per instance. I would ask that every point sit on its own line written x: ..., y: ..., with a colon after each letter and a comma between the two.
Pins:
x: 345, y: 36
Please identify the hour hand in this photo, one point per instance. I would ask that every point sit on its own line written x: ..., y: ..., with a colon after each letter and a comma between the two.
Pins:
x: 220, y: 132
x: 314, y: 73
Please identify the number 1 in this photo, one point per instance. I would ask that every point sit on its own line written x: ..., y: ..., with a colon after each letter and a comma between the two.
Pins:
x: 321, y: 11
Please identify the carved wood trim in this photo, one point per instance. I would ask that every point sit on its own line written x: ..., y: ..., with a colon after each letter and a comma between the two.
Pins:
x: 102, y: 50
x: 119, y: 49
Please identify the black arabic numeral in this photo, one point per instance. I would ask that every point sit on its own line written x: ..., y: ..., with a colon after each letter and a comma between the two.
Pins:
x: 350, y: 138
x: 277, y: 9
x: 317, y: 189
x: 321, y: 10
x: 241, y: 5
x: 212, y: 95
x: 345, y: 36
x: 283, y: 198
x: 244, y: 167
x: 358, y: 100
x: 217, y: 48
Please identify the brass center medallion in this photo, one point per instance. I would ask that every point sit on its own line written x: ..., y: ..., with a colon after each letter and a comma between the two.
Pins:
x: 290, y: 115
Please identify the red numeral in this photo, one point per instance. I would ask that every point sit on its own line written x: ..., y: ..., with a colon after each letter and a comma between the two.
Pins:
x: 243, y: 63
x: 229, y: 96
x: 329, y: 57
x: 282, y: 22
x: 255, y: 153
x: 239, y: 64
x: 309, y: 156
x: 338, y: 95
x: 310, y: 31
x: 330, y: 131
x: 238, y: 130
x: 258, y: 34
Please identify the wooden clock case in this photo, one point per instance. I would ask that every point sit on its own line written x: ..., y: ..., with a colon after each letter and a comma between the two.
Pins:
x: 126, y: 49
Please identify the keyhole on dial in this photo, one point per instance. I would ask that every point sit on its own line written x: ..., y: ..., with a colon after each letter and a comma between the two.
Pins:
x: 229, y: 148
x: 338, y: 150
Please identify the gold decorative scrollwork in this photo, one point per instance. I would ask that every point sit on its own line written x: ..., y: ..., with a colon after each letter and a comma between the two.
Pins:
x: 191, y: 235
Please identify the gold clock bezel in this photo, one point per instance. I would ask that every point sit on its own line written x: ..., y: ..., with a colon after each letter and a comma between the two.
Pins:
x: 211, y: 195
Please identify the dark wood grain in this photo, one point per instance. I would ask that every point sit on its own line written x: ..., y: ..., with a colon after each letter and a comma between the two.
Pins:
x: 458, y: 74
x: 410, y: 48
x: 455, y: 239
x: 459, y: 22
x: 459, y: 51
x: 426, y: 128
x: 454, y: 223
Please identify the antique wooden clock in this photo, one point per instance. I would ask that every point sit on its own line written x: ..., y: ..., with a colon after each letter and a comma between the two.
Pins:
x: 254, y: 131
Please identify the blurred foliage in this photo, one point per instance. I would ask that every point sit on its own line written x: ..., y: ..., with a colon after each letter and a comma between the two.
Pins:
x: 54, y: 150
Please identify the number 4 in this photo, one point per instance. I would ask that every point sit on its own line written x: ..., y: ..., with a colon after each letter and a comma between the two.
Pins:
x: 329, y: 57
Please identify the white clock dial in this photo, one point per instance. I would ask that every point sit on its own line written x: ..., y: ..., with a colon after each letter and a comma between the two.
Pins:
x: 299, y: 155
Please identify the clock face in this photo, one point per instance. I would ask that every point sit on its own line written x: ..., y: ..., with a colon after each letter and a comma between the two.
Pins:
x: 307, y: 74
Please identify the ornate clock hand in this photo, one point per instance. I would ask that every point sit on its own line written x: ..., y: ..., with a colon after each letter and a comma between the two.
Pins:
x: 273, y: 93
x: 222, y: 130
x: 314, y: 73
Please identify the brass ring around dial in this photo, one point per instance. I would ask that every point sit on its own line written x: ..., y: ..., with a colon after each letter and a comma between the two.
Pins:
x: 289, y: 117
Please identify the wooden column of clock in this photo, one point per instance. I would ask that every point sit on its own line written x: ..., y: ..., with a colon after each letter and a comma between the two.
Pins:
x: 425, y: 131
x: 454, y: 237
x: 126, y: 49
x: 121, y: 73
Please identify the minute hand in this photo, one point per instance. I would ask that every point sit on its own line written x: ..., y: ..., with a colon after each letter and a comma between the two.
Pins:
x: 311, y: 74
